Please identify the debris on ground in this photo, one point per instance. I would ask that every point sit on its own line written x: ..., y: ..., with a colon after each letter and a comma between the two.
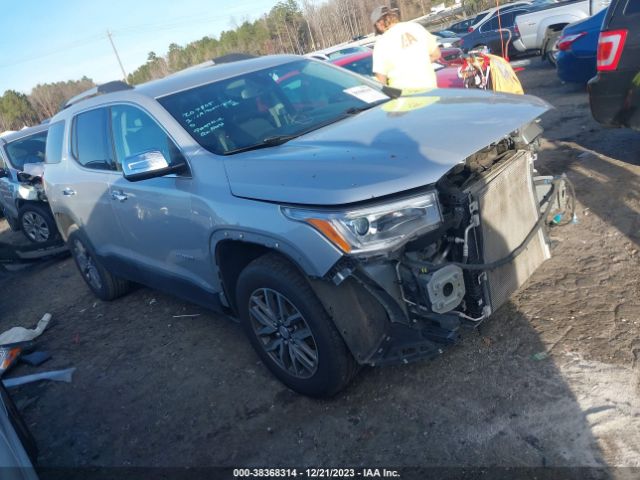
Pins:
x: 8, y: 356
x: 36, y: 358
x: 54, y: 375
x: 21, y: 334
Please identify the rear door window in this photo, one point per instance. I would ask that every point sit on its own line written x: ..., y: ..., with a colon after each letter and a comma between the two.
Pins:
x: 90, y: 143
x: 490, y: 25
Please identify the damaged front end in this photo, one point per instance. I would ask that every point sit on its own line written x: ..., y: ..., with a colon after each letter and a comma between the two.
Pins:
x: 30, y: 186
x: 418, y: 269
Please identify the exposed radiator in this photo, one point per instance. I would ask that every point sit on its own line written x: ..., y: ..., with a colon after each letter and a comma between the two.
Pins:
x: 508, y: 211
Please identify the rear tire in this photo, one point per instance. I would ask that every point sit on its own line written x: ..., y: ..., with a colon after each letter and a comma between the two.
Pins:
x: 102, y: 283
x: 37, y: 223
x: 548, y: 46
x: 290, y: 329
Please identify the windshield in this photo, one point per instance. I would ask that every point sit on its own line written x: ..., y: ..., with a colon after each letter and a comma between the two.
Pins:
x: 27, y: 150
x: 284, y: 101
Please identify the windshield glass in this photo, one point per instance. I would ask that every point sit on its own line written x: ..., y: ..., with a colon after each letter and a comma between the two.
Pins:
x: 27, y: 150
x: 283, y: 101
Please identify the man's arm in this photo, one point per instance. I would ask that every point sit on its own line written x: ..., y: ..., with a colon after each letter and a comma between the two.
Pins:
x: 435, y: 54
x: 382, y: 78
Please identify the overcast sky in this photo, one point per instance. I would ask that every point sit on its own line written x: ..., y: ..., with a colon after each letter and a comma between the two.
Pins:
x: 47, y: 41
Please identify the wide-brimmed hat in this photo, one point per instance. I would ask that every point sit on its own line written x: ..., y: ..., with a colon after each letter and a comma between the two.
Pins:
x: 380, y: 12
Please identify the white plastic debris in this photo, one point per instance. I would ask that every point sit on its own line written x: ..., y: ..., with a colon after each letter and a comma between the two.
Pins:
x: 54, y: 375
x: 21, y: 334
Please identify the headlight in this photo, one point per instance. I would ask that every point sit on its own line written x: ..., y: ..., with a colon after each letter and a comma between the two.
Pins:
x: 372, y: 229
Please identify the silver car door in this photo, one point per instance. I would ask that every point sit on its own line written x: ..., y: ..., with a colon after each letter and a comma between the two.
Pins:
x: 159, y: 230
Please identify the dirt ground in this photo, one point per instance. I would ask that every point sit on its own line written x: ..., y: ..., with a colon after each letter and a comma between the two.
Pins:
x: 154, y: 388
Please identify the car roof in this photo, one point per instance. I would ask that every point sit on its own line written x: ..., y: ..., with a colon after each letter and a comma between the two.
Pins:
x: 25, y: 132
x: 186, y: 80
x: 507, y: 6
x: 208, y: 74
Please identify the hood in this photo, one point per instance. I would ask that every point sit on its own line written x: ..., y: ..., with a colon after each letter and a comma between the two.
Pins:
x: 403, y: 144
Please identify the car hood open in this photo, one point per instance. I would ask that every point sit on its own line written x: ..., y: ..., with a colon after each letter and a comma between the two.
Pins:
x: 403, y: 144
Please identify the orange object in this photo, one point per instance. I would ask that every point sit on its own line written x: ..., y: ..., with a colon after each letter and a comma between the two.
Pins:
x: 328, y: 231
x: 8, y: 356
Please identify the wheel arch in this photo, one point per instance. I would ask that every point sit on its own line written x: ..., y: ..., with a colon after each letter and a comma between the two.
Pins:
x: 232, y: 256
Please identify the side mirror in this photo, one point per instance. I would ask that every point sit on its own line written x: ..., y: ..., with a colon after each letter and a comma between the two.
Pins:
x: 3, y: 173
x: 149, y: 164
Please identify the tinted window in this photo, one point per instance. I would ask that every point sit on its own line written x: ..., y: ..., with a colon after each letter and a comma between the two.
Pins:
x: 90, y: 142
x: 364, y: 66
x: 633, y: 7
x: 135, y: 132
x: 53, y: 152
x: 345, y: 52
x: 478, y: 17
x: 285, y: 100
x: 27, y: 150
x: 506, y: 20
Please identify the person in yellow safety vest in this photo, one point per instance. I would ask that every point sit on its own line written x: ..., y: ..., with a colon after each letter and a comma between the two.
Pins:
x: 403, y: 54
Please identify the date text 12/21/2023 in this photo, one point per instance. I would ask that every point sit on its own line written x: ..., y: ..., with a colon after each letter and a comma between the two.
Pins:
x: 315, y: 473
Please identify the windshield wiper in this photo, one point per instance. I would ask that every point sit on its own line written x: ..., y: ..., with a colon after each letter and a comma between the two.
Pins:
x: 266, y: 142
x: 355, y: 110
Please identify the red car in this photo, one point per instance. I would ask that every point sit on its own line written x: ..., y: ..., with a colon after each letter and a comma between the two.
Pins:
x: 446, y: 66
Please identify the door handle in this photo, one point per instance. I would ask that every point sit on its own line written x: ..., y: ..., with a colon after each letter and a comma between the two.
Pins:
x: 69, y: 192
x: 119, y: 195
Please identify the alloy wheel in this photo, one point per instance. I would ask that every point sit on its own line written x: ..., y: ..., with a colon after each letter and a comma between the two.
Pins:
x: 35, y: 227
x: 283, y: 333
x: 87, y: 265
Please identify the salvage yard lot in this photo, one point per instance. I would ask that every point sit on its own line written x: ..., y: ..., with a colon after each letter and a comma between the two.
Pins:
x: 551, y: 379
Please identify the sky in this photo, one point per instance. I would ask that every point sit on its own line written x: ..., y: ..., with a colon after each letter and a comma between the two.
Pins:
x: 47, y: 41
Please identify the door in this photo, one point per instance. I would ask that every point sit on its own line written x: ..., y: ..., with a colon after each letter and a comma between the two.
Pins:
x: 82, y: 191
x: 155, y: 216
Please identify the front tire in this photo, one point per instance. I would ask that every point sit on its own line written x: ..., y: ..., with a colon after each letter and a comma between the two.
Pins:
x: 290, y: 329
x: 37, y: 223
x: 102, y: 283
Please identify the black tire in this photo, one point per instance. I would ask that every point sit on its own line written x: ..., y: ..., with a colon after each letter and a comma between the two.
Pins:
x: 102, y: 283
x: 334, y: 366
x: 548, y: 50
x: 37, y: 223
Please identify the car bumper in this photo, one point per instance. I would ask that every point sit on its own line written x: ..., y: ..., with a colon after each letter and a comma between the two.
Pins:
x: 519, y: 45
x: 614, y: 98
x: 575, y: 69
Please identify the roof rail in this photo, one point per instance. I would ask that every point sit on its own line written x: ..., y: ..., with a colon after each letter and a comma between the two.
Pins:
x: 109, y: 87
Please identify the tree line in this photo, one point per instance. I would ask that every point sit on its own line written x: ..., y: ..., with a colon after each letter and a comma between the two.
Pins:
x: 291, y: 26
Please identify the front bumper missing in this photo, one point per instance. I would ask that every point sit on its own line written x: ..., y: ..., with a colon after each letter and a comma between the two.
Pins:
x: 389, y: 318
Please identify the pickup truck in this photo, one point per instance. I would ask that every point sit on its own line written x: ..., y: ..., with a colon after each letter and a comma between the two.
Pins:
x: 541, y: 29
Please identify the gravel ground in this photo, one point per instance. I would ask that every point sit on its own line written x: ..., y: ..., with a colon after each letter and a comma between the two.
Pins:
x: 156, y: 389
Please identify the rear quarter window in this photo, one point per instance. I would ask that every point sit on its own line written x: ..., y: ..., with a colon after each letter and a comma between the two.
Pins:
x: 53, y: 152
x: 632, y: 7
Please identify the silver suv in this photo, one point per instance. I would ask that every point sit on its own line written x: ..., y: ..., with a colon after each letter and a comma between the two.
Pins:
x: 22, y: 198
x: 341, y: 225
